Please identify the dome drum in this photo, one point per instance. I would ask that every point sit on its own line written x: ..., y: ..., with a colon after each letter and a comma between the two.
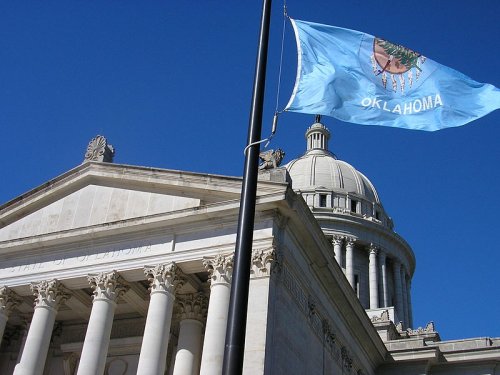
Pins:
x: 377, y: 263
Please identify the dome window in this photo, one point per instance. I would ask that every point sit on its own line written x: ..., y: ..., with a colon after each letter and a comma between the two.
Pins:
x: 354, y: 205
x: 322, y: 200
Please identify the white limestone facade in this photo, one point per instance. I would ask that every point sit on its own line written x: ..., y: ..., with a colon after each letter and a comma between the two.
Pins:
x: 117, y: 269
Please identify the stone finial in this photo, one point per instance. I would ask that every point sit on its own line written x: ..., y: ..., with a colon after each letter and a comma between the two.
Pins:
x: 99, y: 150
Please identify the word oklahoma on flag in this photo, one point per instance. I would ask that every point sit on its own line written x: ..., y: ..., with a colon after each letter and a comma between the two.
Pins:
x: 358, y: 78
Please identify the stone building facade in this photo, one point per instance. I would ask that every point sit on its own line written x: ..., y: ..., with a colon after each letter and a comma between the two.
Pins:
x: 117, y: 269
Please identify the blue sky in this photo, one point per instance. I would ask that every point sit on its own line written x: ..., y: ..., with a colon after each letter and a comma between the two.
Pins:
x: 169, y: 84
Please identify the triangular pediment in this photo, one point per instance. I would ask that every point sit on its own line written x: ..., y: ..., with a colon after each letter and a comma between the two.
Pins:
x: 100, y: 193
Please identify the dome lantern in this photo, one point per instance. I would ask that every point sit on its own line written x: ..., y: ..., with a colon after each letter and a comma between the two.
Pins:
x: 317, y: 136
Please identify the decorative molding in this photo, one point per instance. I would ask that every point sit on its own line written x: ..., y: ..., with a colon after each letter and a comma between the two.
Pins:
x: 49, y: 293
x: 346, y: 358
x: 318, y: 322
x: 220, y: 268
x: 192, y: 306
x: 165, y: 277
x: 108, y: 286
x: 262, y: 262
x: 8, y: 300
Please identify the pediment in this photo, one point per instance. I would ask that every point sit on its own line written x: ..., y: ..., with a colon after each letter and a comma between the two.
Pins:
x: 100, y: 193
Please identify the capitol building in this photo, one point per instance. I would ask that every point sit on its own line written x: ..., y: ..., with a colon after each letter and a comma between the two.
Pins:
x: 119, y: 269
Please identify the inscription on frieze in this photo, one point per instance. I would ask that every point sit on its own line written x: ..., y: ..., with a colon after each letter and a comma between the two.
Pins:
x: 87, y: 256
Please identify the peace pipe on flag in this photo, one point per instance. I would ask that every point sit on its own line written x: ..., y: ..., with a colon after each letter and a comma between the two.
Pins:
x: 358, y: 78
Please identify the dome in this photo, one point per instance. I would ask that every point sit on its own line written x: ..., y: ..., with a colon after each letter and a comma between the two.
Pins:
x: 327, y: 182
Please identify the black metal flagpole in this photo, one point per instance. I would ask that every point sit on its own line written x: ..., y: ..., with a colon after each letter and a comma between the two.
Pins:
x: 238, y: 303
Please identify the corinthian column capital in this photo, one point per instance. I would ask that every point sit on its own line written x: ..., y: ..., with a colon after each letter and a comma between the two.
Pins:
x: 262, y: 260
x: 8, y: 300
x: 350, y: 241
x: 337, y: 240
x: 373, y: 248
x: 220, y: 268
x: 192, y: 306
x: 165, y: 277
x: 49, y: 293
x: 108, y: 285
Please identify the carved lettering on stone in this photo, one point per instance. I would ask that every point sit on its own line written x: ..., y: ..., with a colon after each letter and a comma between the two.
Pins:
x: 49, y: 293
x: 108, y: 286
x: 192, y: 306
x: 8, y: 300
x: 220, y: 268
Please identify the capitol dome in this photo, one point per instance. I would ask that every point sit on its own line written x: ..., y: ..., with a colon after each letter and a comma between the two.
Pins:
x: 326, y: 182
x: 377, y: 262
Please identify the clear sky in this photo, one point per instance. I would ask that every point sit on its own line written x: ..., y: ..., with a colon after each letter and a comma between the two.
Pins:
x: 169, y: 84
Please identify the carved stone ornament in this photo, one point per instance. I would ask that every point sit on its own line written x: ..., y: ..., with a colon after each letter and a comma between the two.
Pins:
x: 262, y: 261
x: 271, y: 159
x: 49, y: 293
x: 192, y: 306
x: 384, y: 317
x: 220, y: 268
x: 328, y: 334
x: 373, y: 248
x: 346, y: 358
x: 350, y: 241
x: 164, y: 277
x: 108, y: 286
x: 8, y: 300
x: 429, y: 328
x: 99, y: 150
x: 337, y: 240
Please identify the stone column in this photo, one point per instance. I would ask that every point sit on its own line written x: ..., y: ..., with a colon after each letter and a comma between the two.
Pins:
x: 49, y: 295
x: 373, y: 277
x: 382, y: 259
x: 8, y: 300
x: 164, y: 280
x: 220, y: 268
x: 398, y: 289
x: 193, y: 309
x: 410, y: 310
x: 405, y: 296
x: 337, y: 249
x: 349, y: 260
x: 108, y: 287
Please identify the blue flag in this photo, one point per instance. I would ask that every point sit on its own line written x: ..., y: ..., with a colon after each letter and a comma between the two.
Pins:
x: 358, y: 78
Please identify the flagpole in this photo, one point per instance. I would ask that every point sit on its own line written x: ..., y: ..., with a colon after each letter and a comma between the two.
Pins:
x: 238, y: 303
